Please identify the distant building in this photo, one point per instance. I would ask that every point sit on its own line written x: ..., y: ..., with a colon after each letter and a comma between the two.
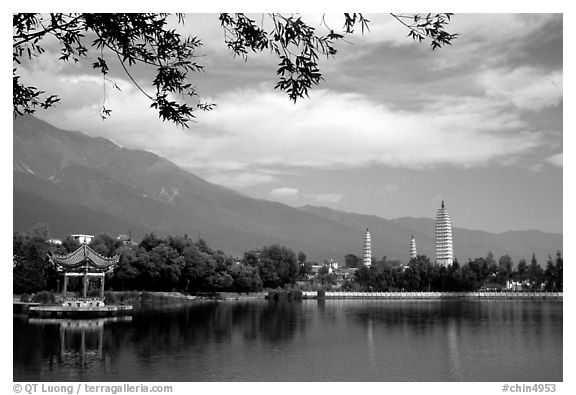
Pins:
x: 55, y: 241
x: 332, y: 265
x: 413, y: 253
x: 83, y: 239
x: 444, y: 245
x: 126, y: 240
x: 367, y: 256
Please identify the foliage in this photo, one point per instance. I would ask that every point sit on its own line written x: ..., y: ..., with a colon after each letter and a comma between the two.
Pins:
x: 44, y: 297
x: 131, y: 39
x: 148, y: 40
x: 326, y: 278
x: 246, y: 278
x: 278, y: 266
x: 352, y: 261
x: 105, y: 245
x: 176, y: 263
x: 553, y: 273
x: 535, y: 274
x: 32, y: 271
x: 422, y: 275
x: 110, y: 298
x: 305, y: 270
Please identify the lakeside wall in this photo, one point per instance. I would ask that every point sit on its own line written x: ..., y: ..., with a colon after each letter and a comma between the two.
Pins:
x: 433, y: 295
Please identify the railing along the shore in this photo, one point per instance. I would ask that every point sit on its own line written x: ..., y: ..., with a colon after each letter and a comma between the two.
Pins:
x: 431, y: 295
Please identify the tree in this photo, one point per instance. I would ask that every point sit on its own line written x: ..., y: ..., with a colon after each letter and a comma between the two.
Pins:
x: 326, y: 278
x: 559, y: 271
x: 150, y: 241
x: 278, y: 266
x: 553, y: 273
x: 126, y: 273
x: 149, y: 40
x: 32, y: 271
x: 352, y: 261
x: 301, y: 258
x: 251, y: 258
x: 198, y: 267
x: 362, y: 278
x: 305, y: 270
x: 504, y: 269
x: 169, y: 265
x: 105, y: 245
x: 69, y: 244
x: 535, y: 274
x: 246, y: 278
x: 492, y: 266
x: 521, y: 274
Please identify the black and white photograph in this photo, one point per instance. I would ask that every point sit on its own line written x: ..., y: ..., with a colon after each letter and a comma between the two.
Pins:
x: 286, y: 197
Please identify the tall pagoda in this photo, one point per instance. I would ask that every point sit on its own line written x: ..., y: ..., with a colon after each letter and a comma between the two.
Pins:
x: 367, y: 253
x: 85, y: 263
x: 444, y: 244
x: 413, y: 252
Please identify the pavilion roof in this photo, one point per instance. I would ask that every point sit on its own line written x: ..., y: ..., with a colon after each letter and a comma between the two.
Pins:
x: 84, y: 256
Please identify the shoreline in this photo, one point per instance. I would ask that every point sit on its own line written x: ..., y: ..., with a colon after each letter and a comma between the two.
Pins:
x: 434, y: 295
x: 138, y: 298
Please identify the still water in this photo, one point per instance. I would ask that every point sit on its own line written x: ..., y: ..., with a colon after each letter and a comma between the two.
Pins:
x: 333, y: 340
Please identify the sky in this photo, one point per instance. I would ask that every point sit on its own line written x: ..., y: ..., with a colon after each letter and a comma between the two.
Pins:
x: 392, y: 130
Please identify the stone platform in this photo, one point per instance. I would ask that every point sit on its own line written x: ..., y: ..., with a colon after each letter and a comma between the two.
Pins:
x: 79, y: 312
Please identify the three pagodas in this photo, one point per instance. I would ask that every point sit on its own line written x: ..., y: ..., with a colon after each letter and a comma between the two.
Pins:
x: 444, y: 244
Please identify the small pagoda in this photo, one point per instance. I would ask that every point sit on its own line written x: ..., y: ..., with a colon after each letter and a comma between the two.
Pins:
x: 85, y: 263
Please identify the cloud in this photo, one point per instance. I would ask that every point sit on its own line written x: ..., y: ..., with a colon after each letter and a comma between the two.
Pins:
x: 556, y: 160
x: 241, y: 179
x: 285, y: 193
x: 260, y: 129
x: 391, y: 188
x: 339, y: 130
x: 255, y: 130
x: 525, y: 87
x: 329, y: 198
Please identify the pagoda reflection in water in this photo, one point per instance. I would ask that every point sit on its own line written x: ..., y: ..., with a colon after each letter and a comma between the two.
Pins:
x: 81, y: 340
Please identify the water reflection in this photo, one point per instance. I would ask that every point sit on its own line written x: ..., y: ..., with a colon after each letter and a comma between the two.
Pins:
x: 303, y: 341
x: 81, y: 340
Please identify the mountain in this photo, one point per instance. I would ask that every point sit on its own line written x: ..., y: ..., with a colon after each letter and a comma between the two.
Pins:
x: 391, y: 237
x: 81, y: 184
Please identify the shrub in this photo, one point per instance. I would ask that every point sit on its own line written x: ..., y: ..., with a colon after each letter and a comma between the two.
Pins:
x: 295, y: 295
x: 24, y: 297
x: 146, y: 296
x: 44, y: 297
x: 109, y: 297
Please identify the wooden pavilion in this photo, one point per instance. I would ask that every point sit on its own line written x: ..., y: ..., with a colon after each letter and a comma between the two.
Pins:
x: 85, y: 263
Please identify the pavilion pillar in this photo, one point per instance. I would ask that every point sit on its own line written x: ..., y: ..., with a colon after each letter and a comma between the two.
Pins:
x: 102, y: 288
x: 62, y: 342
x: 65, y: 285
x: 85, y: 285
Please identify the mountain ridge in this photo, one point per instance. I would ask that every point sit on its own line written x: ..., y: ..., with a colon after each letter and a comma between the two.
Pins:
x: 93, y: 183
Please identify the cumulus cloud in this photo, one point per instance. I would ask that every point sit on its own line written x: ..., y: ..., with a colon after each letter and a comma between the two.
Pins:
x: 285, y: 193
x: 329, y: 198
x: 241, y: 179
x: 334, y: 130
x: 556, y: 160
x: 260, y: 129
x: 525, y: 87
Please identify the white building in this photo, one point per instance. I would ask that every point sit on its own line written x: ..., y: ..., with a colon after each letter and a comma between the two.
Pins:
x: 83, y: 239
x: 413, y: 253
x: 367, y: 257
x: 444, y: 245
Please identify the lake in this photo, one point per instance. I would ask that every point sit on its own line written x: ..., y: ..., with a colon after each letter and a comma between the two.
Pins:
x: 331, y: 340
